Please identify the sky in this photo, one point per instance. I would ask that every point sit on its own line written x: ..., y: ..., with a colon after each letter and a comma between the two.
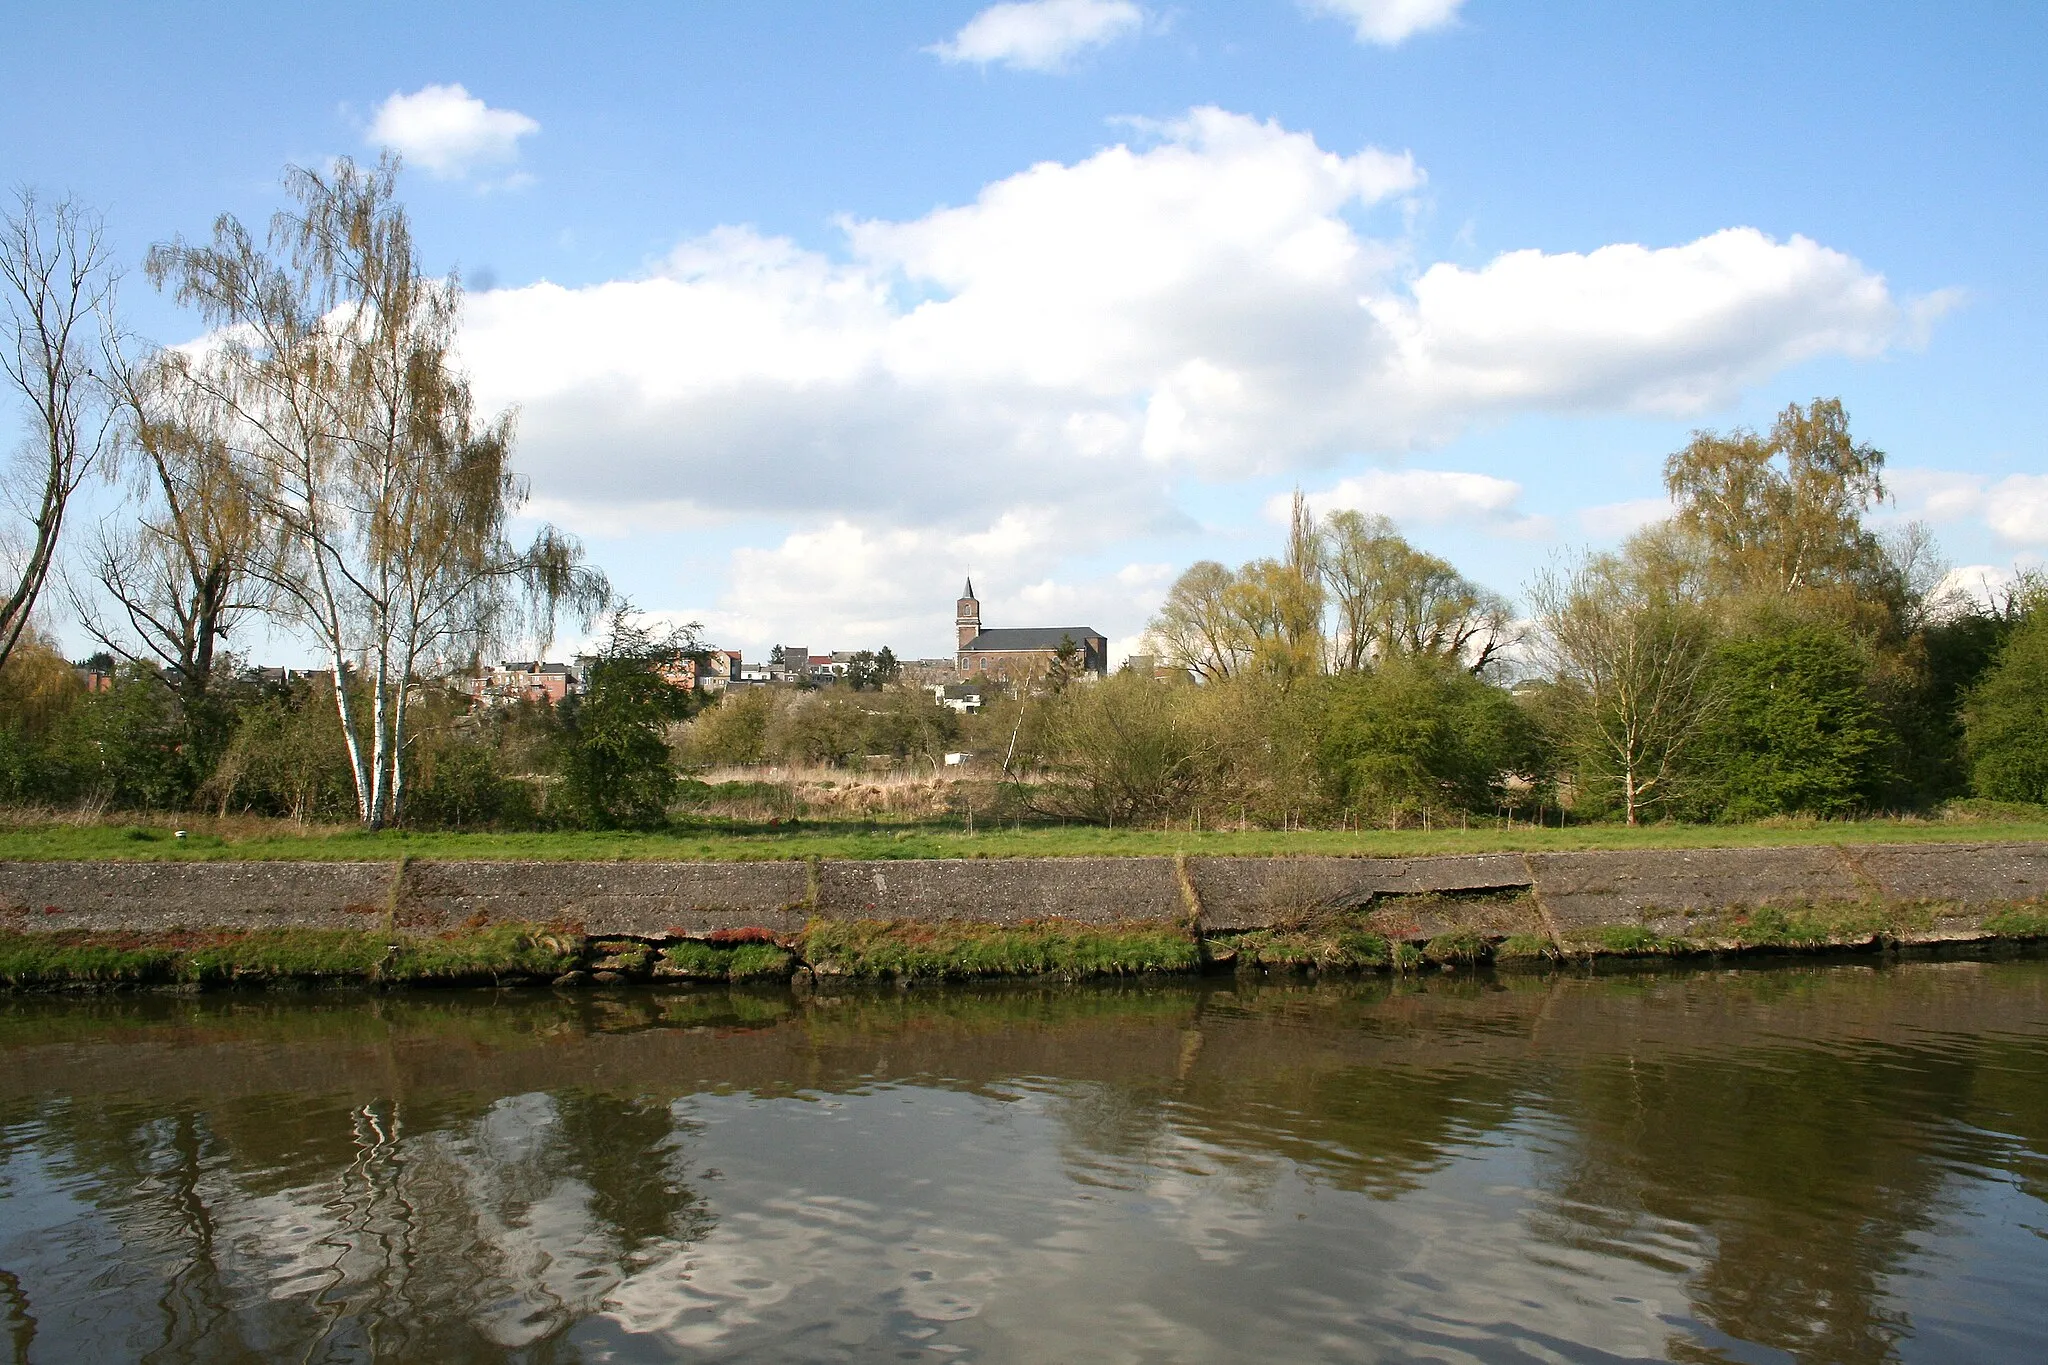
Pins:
x: 809, y: 310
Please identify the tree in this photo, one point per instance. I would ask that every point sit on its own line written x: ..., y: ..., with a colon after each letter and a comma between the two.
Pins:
x: 619, y: 771
x: 1781, y: 512
x: 1394, y: 601
x: 1276, y: 611
x: 1794, y: 729
x: 871, y: 671
x: 331, y: 357
x: 2006, y: 715
x: 1415, y: 735
x: 1630, y: 666
x: 1123, y: 750
x: 1196, y: 628
x: 58, y: 343
x: 1068, y: 663
x: 180, y: 566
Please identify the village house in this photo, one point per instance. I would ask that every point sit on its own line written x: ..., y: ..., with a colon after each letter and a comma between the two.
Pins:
x: 529, y: 680
x: 1019, y: 654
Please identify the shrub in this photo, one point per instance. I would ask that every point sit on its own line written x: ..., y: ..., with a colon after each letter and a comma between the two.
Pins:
x: 2006, y: 717
x: 1796, y: 730
x: 1416, y: 735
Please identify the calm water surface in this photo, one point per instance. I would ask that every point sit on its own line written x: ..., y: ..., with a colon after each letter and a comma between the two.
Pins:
x: 1837, y: 1163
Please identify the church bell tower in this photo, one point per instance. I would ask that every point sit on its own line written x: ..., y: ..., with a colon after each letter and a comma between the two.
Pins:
x: 967, y: 615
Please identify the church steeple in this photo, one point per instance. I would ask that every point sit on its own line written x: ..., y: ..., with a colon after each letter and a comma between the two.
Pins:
x: 967, y: 614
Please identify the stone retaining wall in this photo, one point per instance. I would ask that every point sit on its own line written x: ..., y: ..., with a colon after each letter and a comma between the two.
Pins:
x: 1555, y: 894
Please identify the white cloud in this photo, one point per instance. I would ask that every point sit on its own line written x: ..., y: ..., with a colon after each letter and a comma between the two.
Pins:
x: 1040, y: 35
x: 2017, y: 508
x: 1212, y: 303
x: 1983, y: 586
x: 1669, y: 331
x: 1614, y: 520
x: 2014, y: 507
x: 1389, y: 22
x: 449, y: 133
x: 1428, y: 497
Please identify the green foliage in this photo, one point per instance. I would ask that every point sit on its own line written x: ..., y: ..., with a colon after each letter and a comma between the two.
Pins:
x: 836, y: 727
x: 733, y: 729
x: 871, y: 671
x: 1806, y: 926
x: 1413, y: 736
x: 1525, y: 948
x: 618, y: 772
x: 1126, y: 749
x: 2006, y: 716
x: 287, y: 757
x: 691, y: 960
x: 284, y: 954
x: 1796, y: 730
x: 460, y: 787
x: 1631, y: 940
x: 1458, y: 946
x: 2029, y: 921
x: 889, y: 950
x: 1336, y: 947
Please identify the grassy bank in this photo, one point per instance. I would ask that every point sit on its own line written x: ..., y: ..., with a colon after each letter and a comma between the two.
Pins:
x: 878, y: 951
x: 245, y: 839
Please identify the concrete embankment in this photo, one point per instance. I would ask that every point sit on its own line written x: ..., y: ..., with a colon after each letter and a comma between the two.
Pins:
x: 1279, y: 911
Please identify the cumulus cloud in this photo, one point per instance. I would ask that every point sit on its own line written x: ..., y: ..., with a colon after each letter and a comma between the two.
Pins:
x: 2014, y: 507
x: 1040, y: 35
x: 1389, y: 22
x: 448, y: 132
x: 1427, y: 497
x: 1212, y: 300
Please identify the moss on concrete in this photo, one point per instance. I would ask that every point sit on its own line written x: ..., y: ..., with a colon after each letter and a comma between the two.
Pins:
x: 879, y: 949
x: 99, y: 959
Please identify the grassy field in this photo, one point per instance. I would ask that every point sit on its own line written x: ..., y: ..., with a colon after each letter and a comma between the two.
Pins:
x: 28, y: 838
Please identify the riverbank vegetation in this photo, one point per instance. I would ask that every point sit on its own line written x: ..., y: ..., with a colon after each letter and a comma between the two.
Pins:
x: 831, y: 952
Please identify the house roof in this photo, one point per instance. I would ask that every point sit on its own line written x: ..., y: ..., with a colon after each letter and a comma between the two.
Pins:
x: 1033, y: 637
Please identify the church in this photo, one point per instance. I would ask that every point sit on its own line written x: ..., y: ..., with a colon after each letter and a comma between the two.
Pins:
x: 1021, y: 653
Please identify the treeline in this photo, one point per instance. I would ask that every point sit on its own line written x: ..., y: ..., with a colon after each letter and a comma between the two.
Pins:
x: 1762, y: 652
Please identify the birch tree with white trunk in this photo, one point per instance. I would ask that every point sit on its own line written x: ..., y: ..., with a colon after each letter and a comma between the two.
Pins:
x: 331, y: 352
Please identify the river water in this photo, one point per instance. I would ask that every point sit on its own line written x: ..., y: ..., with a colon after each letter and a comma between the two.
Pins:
x: 1839, y: 1163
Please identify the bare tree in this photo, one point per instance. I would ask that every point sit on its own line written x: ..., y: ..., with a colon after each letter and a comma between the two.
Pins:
x: 57, y: 339
x: 1630, y: 666
x: 1196, y: 628
x: 180, y: 563
x: 332, y: 353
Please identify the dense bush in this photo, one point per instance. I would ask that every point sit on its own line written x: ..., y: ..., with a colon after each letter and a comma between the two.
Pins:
x: 1795, y: 729
x: 839, y: 727
x: 1417, y: 736
x: 2007, y: 716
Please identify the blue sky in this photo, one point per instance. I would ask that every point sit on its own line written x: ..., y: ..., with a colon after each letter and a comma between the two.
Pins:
x: 810, y: 308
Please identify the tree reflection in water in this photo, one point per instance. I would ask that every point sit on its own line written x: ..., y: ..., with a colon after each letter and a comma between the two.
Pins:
x: 454, y: 1178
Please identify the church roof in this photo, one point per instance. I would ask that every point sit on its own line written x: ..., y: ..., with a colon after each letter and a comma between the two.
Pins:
x: 970, y: 587
x: 1033, y: 637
